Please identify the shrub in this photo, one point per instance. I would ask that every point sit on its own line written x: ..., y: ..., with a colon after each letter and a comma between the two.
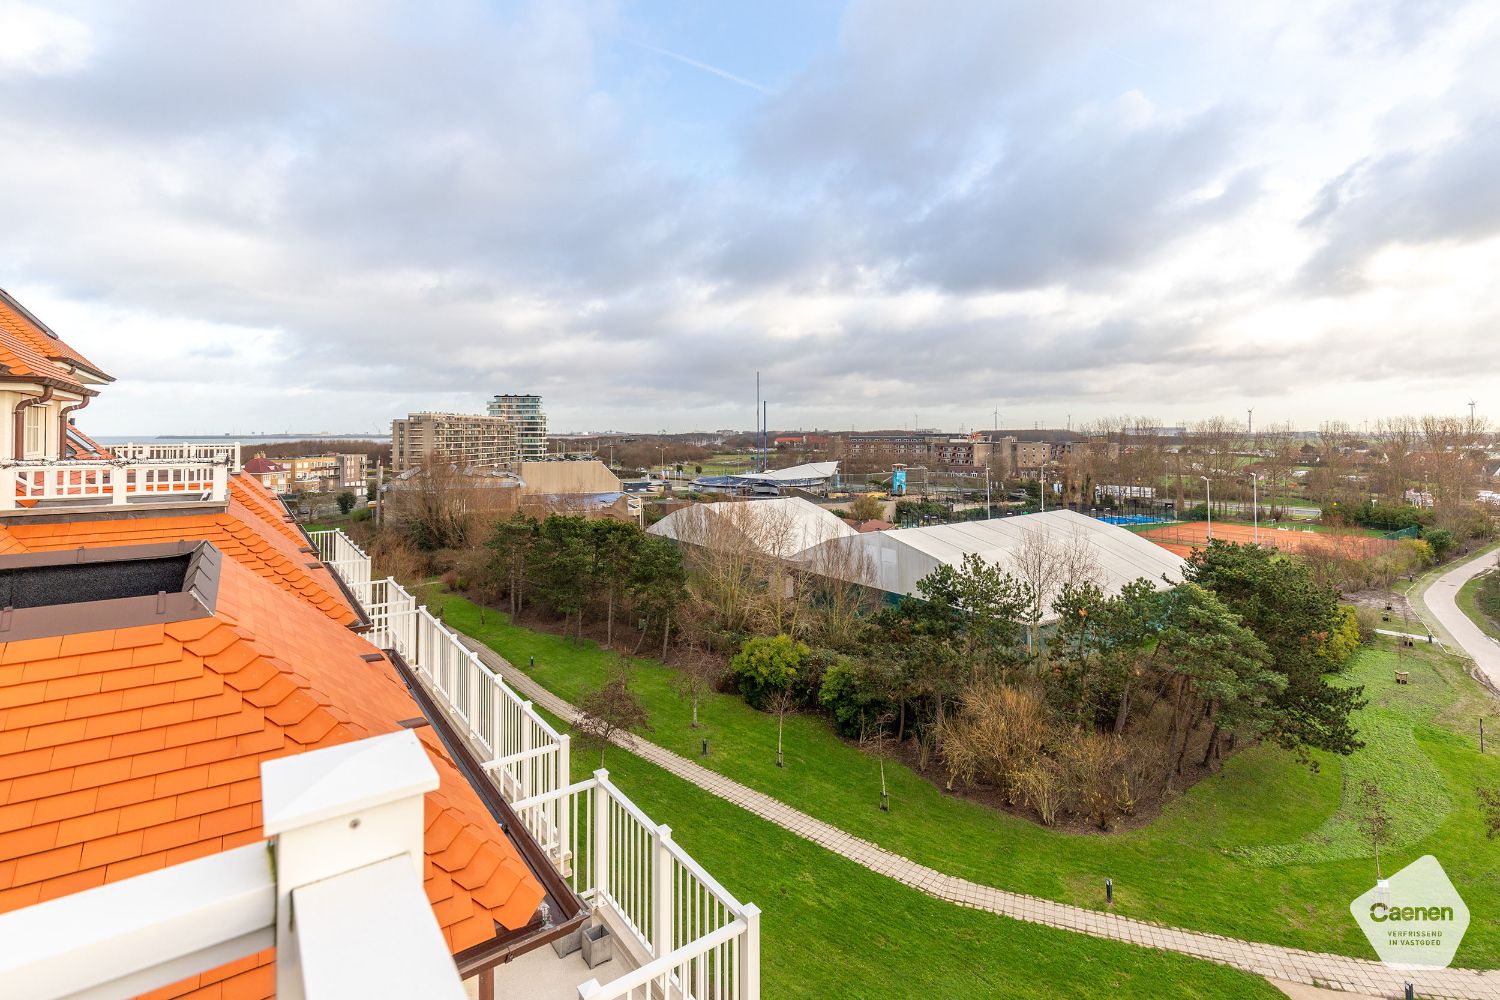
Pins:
x: 765, y: 665
x: 363, y: 514
x: 1343, y: 641
x: 1441, y: 540
x: 854, y: 694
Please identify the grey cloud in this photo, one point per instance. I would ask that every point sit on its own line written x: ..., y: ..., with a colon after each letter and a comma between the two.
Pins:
x: 1100, y: 198
x: 1412, y: 197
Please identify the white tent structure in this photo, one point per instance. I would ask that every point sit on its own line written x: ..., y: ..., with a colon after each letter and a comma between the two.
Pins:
x: 896, y: 560
x: 810, y: 473
x: 785, y: 527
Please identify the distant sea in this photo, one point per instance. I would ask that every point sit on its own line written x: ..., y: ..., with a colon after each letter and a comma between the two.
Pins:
x: 109, y: 439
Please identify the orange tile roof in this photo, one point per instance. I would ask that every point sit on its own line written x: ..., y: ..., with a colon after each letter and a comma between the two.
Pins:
x: 125, y: 751
x: 254, y: 531
x: 29, y: 350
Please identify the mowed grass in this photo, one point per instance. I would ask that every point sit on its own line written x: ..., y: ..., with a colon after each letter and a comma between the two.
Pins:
x: 1480, y: 600
x: 830, y: 928
x: 1267, y: 850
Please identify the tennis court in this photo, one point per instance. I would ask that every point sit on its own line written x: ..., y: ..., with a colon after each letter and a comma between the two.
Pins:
x: 1184, y: 536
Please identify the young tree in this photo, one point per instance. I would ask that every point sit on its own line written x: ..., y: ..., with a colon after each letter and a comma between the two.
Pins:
x: 346, y: 502
x: 876, y: 740
x: 1374, y: 820
x: 783, y: 702
x: 612, y: 711
x: 699, y: 672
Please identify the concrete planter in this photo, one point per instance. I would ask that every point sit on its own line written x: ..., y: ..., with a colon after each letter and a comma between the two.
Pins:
x: 598, y: 945
x: 568, y: 943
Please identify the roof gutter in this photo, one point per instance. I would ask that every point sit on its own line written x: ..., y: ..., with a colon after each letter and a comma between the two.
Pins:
x: 18, y: 449
x: 568, y: 910
x: 62, y: 424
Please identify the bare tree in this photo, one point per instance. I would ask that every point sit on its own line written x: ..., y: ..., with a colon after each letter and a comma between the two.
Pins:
x: 1374, y: 820
x: 610, y: 712
x: 783, y: 702
x: 877, y: 740
x: 840, y: 582
x: 699, y: 671
x: 1045, y: 563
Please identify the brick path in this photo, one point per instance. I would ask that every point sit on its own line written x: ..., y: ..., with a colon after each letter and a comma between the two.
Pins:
x: 1354, y: 975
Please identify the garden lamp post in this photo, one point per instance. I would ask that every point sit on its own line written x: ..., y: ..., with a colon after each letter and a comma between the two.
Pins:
x: 1208, y: 504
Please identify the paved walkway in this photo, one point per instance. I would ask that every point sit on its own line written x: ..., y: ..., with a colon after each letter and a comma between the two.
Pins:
x: 1352, y: 975
x: 1441, y: 600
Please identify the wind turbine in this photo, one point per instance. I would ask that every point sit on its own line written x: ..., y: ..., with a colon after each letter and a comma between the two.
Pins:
x: 1472, y: 404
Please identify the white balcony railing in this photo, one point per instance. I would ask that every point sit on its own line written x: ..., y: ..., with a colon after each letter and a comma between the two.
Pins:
x: 345, y: 855
x: 40, y: 487
x: 700, y: 941
x: 179, y: 451
x: 349, y: 561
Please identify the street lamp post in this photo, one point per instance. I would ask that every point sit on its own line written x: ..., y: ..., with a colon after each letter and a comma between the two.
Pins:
x: 1043, y: 491
x: 988, y: 512
x: 1208, y: 504
x: 1255, y: 504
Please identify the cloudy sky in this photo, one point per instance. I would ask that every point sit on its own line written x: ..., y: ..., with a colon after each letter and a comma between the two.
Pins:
x: 316, y: 216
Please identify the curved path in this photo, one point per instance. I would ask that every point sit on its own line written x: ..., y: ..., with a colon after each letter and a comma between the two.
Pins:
x: 1440, y: 597
x: 1354, y: 975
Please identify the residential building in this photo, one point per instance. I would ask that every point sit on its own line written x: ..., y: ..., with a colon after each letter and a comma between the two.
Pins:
x: 213, y: 720
x: 43, y: 382
x: 526, y: 415
x: 464, y: 439
x: 272, y: 475
x: 309, y: 473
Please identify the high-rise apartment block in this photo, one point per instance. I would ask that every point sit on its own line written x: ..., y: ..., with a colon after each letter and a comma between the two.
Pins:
x: 468, y: 440
x: 525, y: 414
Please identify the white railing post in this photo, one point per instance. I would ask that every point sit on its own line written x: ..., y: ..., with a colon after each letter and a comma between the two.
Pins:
x: 524, y: 777
x: 662, y: 901
x: 9, y: 483
x: 221, y: 482
x: 336, y: 810
x: 749, y: 966
x: 601, y: 836
x: 562, y: 818
x: 118, y: 488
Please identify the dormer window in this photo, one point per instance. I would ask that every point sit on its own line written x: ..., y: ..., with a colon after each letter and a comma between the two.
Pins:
x: 36, y: 432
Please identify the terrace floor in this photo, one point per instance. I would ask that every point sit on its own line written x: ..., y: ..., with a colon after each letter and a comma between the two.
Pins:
x: 541, y: 975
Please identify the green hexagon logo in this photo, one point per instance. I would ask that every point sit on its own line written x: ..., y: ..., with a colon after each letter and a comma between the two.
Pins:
x: 1415, y: 919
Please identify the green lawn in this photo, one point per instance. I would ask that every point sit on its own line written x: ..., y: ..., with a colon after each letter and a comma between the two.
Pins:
x: 830, y: 928
x: 1480, y: 600
x: 1264, y: 851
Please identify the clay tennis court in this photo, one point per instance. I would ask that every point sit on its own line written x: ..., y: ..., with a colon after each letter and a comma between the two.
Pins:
x: 1185, y: 536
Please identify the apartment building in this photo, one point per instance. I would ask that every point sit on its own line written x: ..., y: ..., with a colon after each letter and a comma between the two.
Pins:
x: 467, y: 439
x: 525, y: 414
